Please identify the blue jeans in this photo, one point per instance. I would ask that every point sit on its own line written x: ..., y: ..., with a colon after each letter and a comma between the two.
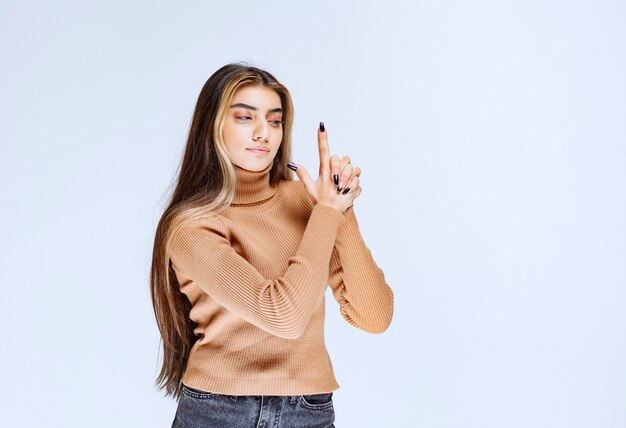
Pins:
x: 200, y: 409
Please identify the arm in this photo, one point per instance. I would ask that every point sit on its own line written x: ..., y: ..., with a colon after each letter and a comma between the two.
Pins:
x: 282, y: 306
x: 365, y: 300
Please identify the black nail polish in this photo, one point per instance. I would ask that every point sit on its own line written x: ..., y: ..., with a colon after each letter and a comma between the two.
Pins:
x: 345, y: 191
x: 336, y: 178
x: 292, y: 166
x: 322, y: 128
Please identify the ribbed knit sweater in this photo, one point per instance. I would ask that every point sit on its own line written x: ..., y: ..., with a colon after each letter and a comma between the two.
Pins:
x: 256, y: 276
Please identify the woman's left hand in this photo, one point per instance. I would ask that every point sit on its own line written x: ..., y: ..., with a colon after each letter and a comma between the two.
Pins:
x: 344, y: 174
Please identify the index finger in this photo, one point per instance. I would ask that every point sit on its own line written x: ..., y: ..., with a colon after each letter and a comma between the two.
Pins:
x: 324, y: 151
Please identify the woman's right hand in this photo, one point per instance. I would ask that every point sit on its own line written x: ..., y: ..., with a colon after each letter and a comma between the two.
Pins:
x: 324, y: 190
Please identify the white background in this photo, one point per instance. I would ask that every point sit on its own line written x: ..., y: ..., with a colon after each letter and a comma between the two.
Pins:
x: 491, y: 136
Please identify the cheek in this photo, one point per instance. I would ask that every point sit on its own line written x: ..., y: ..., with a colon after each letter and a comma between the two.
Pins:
x: 278, y: 133
x: 232, y: 136
x: 278, y: 137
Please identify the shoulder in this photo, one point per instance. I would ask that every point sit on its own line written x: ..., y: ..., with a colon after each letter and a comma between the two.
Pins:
x: 189, y: 231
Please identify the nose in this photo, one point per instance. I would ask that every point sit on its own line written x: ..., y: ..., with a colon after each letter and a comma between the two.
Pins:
x: 261, y: 132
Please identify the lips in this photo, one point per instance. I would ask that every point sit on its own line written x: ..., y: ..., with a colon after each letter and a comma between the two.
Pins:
x: 258, y: 149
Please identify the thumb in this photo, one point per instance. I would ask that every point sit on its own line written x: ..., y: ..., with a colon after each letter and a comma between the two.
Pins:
x: 304, y: 177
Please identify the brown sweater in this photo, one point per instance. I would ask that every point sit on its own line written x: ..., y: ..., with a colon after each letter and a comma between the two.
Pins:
x: 256, y: 277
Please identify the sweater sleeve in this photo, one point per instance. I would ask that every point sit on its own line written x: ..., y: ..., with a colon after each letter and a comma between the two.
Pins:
x: 282, y: 306
x: 365, y: 299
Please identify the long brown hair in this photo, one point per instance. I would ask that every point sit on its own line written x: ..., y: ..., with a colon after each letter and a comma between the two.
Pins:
x: 205, y: 186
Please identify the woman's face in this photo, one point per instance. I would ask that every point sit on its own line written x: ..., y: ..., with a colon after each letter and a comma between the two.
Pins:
x: 254, y: 120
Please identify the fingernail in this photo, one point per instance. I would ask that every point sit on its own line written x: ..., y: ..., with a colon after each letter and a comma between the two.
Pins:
x: 336, y: 178
x: 345, y: 191
x: 292, y: 166
x: 322, y: 127
x: 341, y: 184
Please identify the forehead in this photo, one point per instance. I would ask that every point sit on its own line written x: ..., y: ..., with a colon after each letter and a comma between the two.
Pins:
x: 257, y: 96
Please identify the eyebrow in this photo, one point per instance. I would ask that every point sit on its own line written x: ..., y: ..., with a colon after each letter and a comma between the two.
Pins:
x: 242, y: 105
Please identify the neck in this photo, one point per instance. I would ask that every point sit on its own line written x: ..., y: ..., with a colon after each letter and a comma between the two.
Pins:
x: 253, y: 186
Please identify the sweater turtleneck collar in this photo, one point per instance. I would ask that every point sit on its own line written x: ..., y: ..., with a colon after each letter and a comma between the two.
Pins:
x: 253, y: 186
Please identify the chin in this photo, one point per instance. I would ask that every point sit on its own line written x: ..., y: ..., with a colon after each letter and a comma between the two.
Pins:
x: 253, y: 166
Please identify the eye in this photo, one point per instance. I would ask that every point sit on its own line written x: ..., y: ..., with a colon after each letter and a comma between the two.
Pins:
x: 243, y: 117
x: 276, y: 122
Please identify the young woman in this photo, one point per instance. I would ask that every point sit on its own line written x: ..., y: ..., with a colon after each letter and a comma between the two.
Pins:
x: 242, y: 259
